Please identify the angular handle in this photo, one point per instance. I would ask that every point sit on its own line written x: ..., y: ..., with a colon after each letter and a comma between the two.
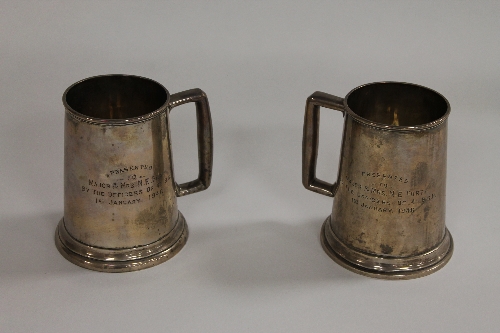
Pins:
x: 311, y: 139
x: 205, y: 139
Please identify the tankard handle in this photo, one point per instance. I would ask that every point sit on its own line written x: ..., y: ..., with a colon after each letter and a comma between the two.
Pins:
x: 311, y: 139
x: 205, y: 140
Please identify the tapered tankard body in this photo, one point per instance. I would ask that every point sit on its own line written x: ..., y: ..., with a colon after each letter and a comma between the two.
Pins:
x: 388, y: 216
x: 120, y: 194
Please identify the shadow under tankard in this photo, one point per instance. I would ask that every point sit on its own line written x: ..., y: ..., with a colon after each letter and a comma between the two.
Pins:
x: 263, y: 254
x: 36, y: 256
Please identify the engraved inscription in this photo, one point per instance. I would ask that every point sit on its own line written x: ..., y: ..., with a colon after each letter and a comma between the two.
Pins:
x: 127, y: 186
x: 374, y: 191
x: 384, y: 176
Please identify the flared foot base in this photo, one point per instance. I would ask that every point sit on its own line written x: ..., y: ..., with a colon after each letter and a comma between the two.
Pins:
x: 383, y: 267
x: 122, y: 260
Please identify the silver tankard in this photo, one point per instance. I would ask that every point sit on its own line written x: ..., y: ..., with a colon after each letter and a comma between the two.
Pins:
x: 388, y: 216
x: 120, y: 205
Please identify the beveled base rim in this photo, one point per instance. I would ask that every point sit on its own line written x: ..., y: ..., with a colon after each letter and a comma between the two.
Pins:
x: 399, y: 275
x: 111, y: 266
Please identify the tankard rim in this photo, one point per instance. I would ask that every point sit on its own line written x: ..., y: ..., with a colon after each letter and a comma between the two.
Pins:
x: 405, y: 128
x: 115, y: 122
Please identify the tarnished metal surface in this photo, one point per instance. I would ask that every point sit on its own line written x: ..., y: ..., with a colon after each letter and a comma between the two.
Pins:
x: 120, y: 206
x: 388, y: 216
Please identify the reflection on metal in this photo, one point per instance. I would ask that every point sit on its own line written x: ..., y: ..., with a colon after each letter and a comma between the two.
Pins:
x: 120, y: 194
x: 388, y: 216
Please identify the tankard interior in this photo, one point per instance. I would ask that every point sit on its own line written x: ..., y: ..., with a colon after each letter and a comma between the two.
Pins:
x: 397, y: 104
x: 115, y: 96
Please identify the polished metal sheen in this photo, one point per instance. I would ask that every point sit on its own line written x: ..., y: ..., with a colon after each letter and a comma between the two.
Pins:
x: 388, y: 216
x: 120, y: 194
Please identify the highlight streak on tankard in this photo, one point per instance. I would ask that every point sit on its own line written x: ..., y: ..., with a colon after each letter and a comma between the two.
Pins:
x: 120, y: 206
x: 388, y: 216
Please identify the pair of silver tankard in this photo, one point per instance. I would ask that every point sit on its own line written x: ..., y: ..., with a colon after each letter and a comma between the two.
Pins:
x: 120, y: 195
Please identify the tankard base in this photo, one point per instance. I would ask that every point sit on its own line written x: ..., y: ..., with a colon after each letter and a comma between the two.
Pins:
x: 122, y: 260
x: 384, y: 267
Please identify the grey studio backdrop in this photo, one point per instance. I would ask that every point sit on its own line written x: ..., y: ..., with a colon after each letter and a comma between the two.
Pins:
x: 253, y: 261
